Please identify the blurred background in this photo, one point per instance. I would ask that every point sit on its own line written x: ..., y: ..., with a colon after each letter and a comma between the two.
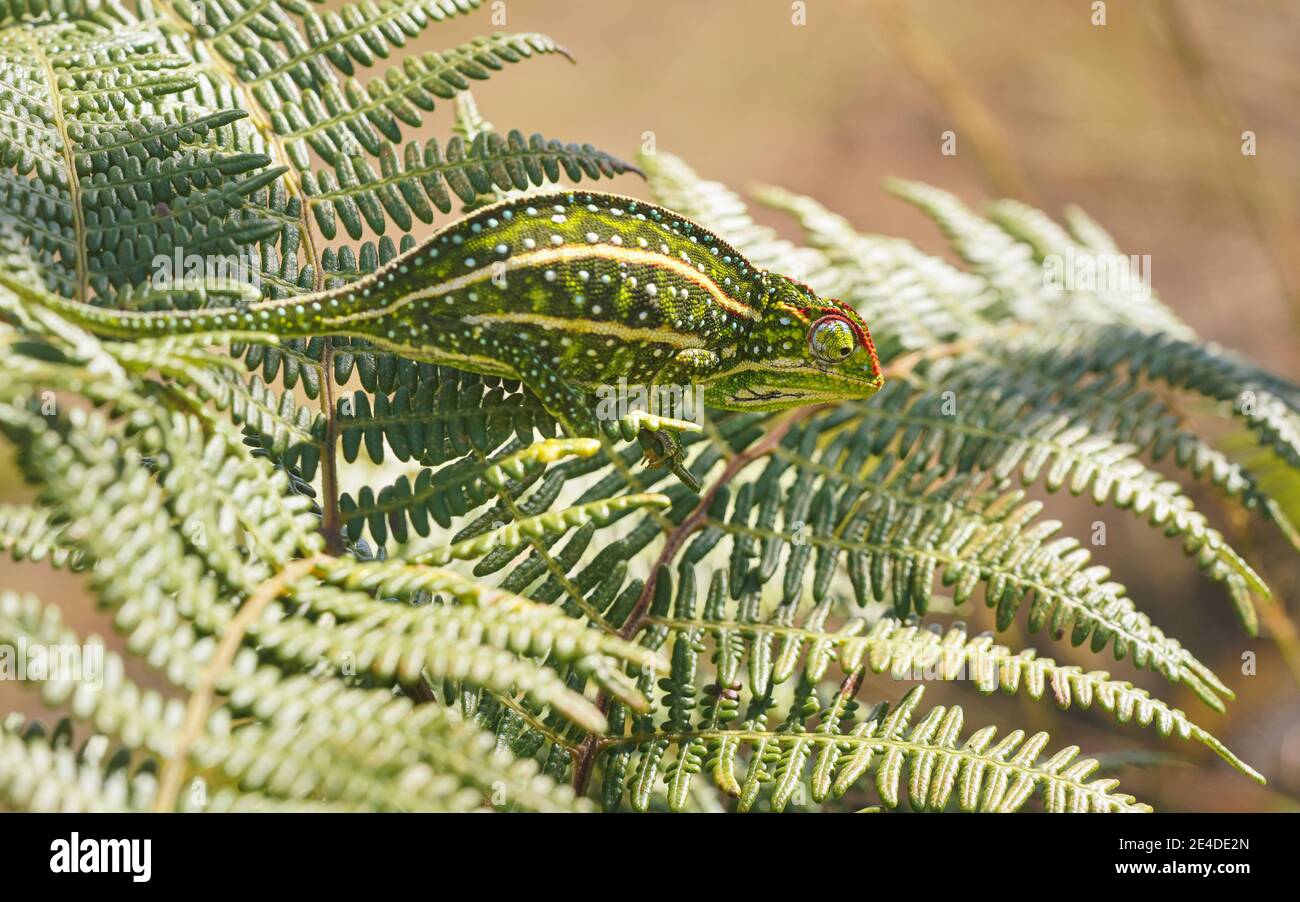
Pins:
x: 1139, y: 120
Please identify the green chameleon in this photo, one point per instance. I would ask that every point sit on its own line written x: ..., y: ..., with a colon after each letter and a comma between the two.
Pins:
x: 569, y: 293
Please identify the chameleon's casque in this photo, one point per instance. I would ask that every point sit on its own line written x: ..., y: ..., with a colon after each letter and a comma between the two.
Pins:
x: 568, y: 292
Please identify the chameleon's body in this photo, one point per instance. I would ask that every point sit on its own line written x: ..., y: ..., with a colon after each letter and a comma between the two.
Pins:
x: 568, y: 292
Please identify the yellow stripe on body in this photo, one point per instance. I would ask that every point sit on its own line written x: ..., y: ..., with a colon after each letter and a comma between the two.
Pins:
x: 590, y: 327
x: 535, y: 259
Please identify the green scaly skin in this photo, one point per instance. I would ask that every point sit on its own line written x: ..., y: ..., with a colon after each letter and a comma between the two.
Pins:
x: 568, y: 292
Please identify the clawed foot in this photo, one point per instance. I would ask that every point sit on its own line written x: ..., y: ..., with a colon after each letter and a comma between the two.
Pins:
x: 660, y: 446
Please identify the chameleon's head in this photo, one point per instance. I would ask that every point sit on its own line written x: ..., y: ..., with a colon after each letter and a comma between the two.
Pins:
x: 804, y: 350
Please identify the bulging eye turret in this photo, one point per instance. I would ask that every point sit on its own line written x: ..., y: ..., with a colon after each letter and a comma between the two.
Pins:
x: 831, y: 340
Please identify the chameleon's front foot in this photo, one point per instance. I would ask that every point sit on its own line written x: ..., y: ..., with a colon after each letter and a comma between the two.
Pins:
x: 659, y: 443
x: 661, y: 448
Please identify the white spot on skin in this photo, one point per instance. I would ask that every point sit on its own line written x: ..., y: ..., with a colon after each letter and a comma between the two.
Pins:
x: 592, y: 237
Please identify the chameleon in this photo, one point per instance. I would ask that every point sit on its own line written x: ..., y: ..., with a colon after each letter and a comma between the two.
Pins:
x: 568, y: 292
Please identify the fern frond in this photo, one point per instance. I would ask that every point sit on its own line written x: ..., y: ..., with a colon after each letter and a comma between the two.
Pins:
x: 999, y: 430
x: 410, y: 186
x: 329, y: 745
x: 912, y: 300
x: 40, y: 772
x: 369, y: 115
x: 913, y: 651
x: 436, y: 417
x: 807, y: 748
x: 898, y: 525
x: 27, y: 534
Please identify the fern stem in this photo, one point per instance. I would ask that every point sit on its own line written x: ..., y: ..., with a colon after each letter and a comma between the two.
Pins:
x: 70, y: 164
x: 700, y: 514
x: 331, y: 515
x: 200, y: 702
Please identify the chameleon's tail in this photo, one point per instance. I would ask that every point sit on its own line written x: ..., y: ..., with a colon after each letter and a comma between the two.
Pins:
x: 269, y: 320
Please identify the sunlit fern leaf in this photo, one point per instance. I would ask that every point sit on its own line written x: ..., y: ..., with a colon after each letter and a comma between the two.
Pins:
x: 272, y: 419
x: 907, y: 651
x: 26, y: 534
x: 1267, y: 404
x: 41, y: 771
x: 899, y: 525
x: 911, y: 299
x: 1014, y: 268
x: 794, y: 744
x: 1114, y: 406
x: 970, y: 418
x: 142, y: 611
x: 1136, y: 330
x: 331, y: 742
x: 468, y: 658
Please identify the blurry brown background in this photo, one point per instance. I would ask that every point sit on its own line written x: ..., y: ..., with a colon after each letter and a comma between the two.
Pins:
x: 1138, y: 120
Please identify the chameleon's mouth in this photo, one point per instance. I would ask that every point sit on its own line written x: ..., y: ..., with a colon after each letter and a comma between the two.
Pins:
x: 773, y: 397
x: 764, y: 396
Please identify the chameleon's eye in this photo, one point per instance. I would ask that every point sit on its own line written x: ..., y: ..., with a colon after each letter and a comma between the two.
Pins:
x: 831, y: 340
